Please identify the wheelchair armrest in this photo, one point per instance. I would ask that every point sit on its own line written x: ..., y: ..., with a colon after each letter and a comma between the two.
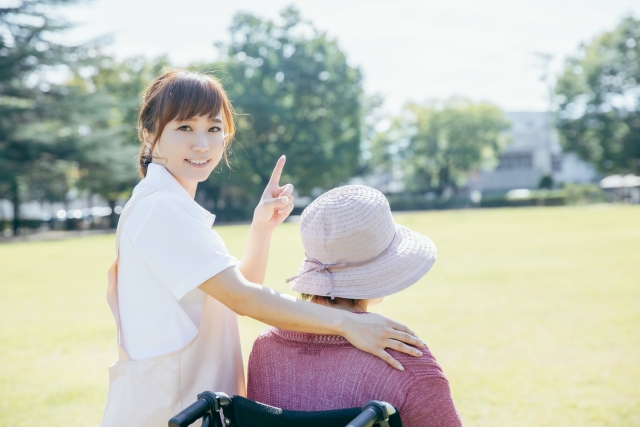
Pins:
x: 207, y: 403
x: 374, y: 412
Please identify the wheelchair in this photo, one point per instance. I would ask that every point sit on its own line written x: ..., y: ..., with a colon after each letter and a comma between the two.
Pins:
x: 219, y: 410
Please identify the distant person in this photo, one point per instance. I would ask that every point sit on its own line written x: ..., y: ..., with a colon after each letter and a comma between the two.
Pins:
x: 174, y: 289
x: 354, y: 256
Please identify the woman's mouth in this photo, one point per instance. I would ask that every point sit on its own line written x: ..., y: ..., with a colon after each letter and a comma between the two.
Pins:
x: 198, y: 163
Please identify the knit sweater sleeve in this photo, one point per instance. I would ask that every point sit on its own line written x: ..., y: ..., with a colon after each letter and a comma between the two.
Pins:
x: 429, y: 404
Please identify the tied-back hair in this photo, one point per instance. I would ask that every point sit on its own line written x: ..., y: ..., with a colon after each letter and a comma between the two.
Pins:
x: 181, y: 95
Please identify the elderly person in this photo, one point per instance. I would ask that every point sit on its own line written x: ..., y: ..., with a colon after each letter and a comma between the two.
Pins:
x: 354, y: 256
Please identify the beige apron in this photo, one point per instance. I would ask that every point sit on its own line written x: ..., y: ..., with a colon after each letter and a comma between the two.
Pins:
x: 148, y: 392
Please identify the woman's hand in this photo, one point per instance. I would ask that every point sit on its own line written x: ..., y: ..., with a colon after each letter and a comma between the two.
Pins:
x: 276, y: 202
x: 373, y: 333
x: 275, y: 206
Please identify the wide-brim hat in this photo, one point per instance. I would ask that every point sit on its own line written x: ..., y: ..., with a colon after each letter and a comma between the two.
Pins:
x: 354, y: 249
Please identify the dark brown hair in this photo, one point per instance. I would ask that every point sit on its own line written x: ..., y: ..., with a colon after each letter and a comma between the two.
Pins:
x: 181, y: 95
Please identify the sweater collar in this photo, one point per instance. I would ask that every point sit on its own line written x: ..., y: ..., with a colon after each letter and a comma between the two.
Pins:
x: 305, y: 338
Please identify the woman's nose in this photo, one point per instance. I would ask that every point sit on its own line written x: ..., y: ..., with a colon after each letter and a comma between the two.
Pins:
x: 200, y: 144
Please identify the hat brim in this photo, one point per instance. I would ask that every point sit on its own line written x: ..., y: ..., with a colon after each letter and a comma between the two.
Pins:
x: 408, y: 259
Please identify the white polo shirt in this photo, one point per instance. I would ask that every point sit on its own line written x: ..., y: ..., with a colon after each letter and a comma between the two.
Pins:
x: 167, y: 249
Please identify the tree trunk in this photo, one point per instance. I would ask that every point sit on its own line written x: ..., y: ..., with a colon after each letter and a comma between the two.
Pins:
x: 15, y: 199
x: 89, y: 206
x: 113, y: 218
x: 443, y: 178
x: 214, y: 193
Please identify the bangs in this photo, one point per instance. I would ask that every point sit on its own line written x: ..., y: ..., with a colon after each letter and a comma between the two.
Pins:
x: 190, y: 95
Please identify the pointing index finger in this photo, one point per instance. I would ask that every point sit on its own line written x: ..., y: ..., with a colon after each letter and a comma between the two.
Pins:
x: 277, y: 171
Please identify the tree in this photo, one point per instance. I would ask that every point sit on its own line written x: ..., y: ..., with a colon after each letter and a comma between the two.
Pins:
x: 438, y: 145
x: 385, y: 144
x: 29, y: 122
x: 295, y: 94
x: 598, y: 98
x: 546, y: 182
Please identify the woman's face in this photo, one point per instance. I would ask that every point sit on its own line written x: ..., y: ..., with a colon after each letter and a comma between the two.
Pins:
x: 190, y: 149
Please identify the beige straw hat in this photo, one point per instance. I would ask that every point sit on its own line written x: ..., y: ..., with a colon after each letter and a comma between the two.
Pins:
x: 354, y: 249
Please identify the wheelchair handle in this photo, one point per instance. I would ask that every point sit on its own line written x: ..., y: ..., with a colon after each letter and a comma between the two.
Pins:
x: 374, y: 412
x: 190, y: 414
x: 207, y: 403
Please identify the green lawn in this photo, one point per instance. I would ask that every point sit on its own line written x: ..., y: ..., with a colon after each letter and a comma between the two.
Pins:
x: 534, y: 314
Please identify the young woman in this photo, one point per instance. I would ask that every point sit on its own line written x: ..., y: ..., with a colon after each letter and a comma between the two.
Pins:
x: 174, y: 290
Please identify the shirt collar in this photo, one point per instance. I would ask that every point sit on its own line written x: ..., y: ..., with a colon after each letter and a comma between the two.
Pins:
x: 159, y: 177
x: 162, y: 178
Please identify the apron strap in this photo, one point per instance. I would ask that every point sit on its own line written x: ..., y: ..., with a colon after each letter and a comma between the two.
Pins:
x: 112, y: 288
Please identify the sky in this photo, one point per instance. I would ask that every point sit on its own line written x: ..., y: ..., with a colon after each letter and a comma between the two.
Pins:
x: 407, y: 50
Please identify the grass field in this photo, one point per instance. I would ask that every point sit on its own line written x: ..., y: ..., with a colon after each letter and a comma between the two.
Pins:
x: 534, y: 314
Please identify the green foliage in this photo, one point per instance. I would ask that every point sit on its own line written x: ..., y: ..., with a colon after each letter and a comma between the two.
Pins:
x: 30, y: 113
x: 582, y: 194
x: 295, y: 94
x: 438, y: 145
x: 542, y: 197
x: 599, y: 100
x: 291, y: 85
x: 388, y: 137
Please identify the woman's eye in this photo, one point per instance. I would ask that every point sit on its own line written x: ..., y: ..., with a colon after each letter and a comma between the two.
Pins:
x: 215, y: 129
x: 185, y: 128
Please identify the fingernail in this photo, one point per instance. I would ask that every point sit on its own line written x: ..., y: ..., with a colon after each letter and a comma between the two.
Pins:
x: 400, y: 367
x: 283, y: 200
x: 424, y: 344
x: 418, y: 353
x: 280, y: 211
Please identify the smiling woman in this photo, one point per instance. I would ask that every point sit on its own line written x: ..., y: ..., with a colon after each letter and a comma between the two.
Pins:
x: 174, y: 289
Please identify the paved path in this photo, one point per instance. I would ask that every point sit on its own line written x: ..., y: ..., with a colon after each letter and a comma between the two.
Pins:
x: 54, y: 235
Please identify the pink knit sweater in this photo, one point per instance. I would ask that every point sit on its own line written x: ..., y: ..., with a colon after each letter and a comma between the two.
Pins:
x: 307, y: 372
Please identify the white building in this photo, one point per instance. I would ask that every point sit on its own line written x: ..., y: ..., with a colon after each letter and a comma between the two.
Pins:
x: 533, y: 152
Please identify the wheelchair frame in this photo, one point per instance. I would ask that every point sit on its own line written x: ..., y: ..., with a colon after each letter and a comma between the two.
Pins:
x: 210, y: 407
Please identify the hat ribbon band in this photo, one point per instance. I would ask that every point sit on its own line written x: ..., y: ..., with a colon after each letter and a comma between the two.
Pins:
x: 326, y: 268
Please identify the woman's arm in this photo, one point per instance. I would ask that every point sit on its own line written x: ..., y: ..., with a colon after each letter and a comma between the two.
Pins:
x: 254, y: 261
x: 275, y: 206
x: 371, y: 333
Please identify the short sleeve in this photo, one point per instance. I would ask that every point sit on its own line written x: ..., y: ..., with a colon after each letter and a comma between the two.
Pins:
x: 178, y: 246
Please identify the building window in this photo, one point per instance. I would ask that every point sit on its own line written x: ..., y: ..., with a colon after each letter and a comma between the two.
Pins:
x: 515, y: 161
x: 556, y: 163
